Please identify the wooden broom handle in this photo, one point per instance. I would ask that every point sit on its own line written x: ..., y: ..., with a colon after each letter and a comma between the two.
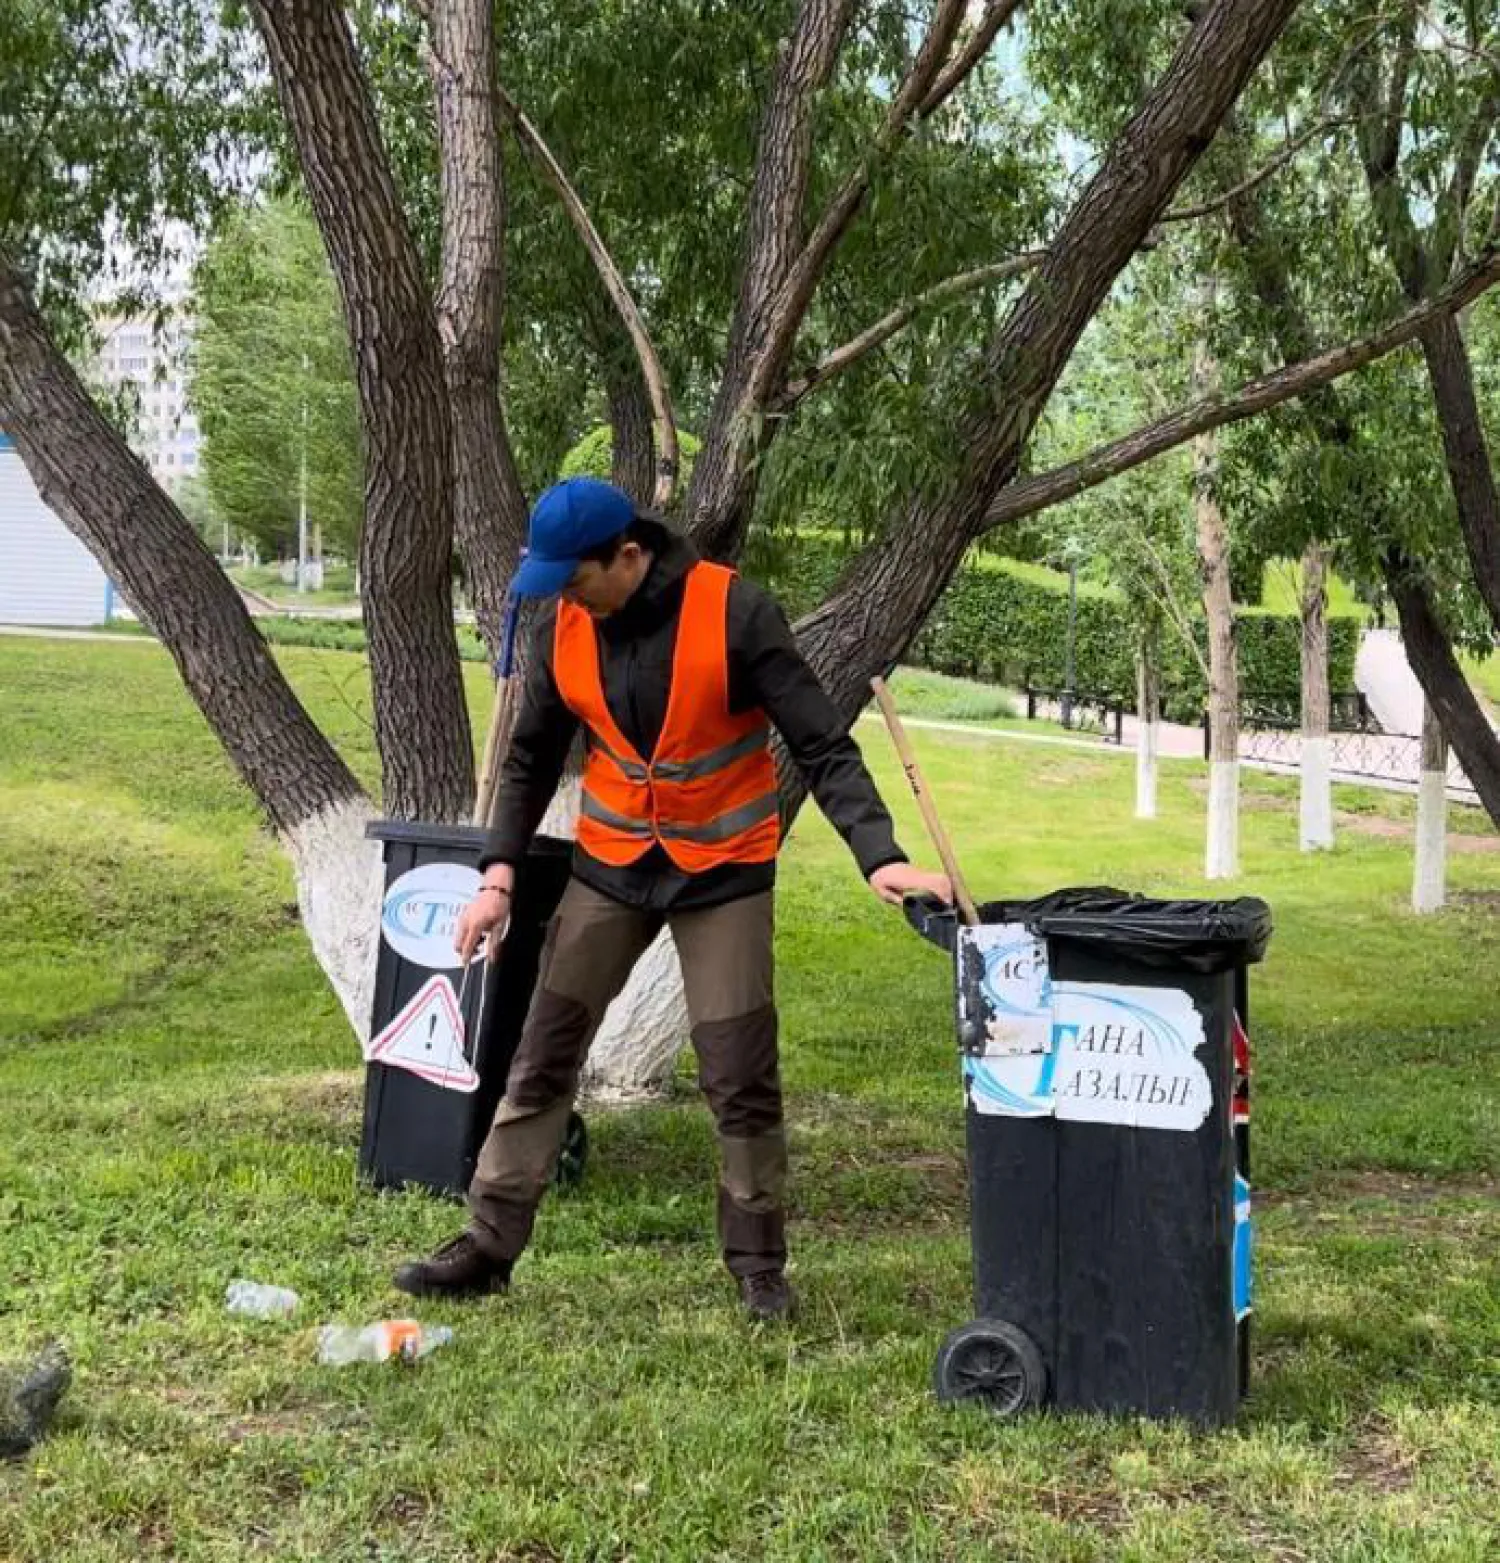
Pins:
x: 966, y: 908
x: 490, y: 766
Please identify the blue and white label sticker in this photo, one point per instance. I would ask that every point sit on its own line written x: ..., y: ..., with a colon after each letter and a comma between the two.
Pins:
x: 421, y: 912
x: 1004, y: 991
x: 1116, y: 1054
x: 1244, y: 1248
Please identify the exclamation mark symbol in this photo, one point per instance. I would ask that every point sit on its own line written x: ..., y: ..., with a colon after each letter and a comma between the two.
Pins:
x: 431, y: 1029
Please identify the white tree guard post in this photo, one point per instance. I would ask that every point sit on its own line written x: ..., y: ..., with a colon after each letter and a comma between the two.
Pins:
x: 340, y: 876
x: 1223, y: 855
x: 646, y: 1027
x: 1429, y: 882
x: 1147, y: 741
x: 1316, y: 766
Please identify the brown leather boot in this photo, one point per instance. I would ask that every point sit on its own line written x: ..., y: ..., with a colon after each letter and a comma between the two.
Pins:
x: 767, y: 1296
x: 460, y: 1268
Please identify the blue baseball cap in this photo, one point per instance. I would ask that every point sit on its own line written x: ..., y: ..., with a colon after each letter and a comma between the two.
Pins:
x: 570, y: 519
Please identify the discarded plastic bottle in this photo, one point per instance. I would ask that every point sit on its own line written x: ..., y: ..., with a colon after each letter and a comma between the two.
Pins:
x: 256, y: 1301
x: 405, y: 1338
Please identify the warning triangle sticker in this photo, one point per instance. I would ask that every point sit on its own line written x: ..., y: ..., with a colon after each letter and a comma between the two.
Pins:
x: 427, y: 1039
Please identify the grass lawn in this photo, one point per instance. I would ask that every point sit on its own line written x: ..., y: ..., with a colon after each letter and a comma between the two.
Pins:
x: 337, y: 589
x: 182, y: 1106
x: 1485, y: 677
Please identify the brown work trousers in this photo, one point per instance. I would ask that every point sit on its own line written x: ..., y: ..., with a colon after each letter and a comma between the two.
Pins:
x: 726, y: 954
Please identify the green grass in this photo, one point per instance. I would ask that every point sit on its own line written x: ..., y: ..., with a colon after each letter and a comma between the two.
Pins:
x: 182, y: 1106
x: 921, y: 693
x: 1485, y: 677
x: 337, y: 589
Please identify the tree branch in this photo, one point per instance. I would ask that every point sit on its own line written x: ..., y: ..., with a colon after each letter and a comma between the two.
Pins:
x: 989, y: 26
x: 1453, y: 208
x: 797, y: 288
x: 842, y: 358
x: 1182, y: 214
x: 723, y: 485
x: 1107, y: 461
x: 614, y: 284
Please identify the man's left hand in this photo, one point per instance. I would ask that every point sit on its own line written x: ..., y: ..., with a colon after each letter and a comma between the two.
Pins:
x: 896, y: 881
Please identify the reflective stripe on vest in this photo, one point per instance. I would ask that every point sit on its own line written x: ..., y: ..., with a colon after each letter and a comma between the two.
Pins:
x: 708, y: 794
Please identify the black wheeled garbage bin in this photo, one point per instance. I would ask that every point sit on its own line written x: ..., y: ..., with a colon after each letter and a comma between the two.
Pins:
x: 1106, y: 1065
x: 441, y: 1047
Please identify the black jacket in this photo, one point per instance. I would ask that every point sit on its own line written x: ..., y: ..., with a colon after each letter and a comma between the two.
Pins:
x: 766, y: 672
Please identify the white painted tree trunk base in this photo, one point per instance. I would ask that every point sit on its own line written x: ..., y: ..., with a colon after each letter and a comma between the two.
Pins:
x: 646, y: 1027
x: 1429, y: 883
x: 1147, y: 738
x: 1317, y: 795
x: 1223, y: 857
x: 644, y: 1031
x: 340, y: 876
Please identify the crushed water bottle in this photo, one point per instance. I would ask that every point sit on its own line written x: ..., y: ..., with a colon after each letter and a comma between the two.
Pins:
x: 404, y: 1338
x: 256, y: 1301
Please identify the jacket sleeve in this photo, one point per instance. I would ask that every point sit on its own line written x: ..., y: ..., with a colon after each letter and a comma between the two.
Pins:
x: 534, y: 763
x: 767, y: 670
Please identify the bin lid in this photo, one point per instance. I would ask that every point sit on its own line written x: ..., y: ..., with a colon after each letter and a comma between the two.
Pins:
x: 459, y: 838
x: 1203, y: 936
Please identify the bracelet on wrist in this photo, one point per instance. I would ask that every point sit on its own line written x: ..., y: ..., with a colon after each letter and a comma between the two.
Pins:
x: 498, y: 889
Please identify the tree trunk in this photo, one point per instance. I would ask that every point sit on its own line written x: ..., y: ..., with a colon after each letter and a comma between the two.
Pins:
x: 1429, y: 887
x: 1316, y: 766
x: 489, y: 507
x: 104, y: 495
x: 643, y: 1031
x: 1223, y: 855
x: 1467, y: 454
x: 1148, y: 727
x: 406, y: 544
x: 632, y: 455
x: 722, y: 489
x: 1430, y: 652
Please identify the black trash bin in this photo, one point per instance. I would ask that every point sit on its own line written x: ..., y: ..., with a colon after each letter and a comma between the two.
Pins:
x: 1106, y: 1064
x: 434, y: 1076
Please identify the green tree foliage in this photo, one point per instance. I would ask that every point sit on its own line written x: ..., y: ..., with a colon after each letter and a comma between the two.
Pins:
x: 123, y: 125
x: 593, y: 455
x: 652, y: 106
x: 270, y: 362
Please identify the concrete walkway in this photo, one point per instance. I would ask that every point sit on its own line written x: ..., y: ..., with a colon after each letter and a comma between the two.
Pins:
x: 1384, y: 677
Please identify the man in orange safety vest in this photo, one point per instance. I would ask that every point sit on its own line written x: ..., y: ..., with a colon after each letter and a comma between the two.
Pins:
x: 675, y: 670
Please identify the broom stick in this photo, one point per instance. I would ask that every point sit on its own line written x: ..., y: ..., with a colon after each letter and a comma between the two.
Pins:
x: 489, y: 768
x: 967, y: 911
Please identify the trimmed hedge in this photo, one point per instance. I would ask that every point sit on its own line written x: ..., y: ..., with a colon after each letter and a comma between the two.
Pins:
x: 1008, y: 622
x: 348, y: 635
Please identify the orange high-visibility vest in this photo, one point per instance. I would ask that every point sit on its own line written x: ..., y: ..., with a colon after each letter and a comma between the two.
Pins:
x: 707, y: 795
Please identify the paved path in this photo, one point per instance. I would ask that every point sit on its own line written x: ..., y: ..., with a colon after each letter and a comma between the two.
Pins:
x: 1387, y: 766
x: 36, y: 632
x: 1384, y: 677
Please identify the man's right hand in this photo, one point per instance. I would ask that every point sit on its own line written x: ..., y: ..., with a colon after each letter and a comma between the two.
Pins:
x: 487, y: 912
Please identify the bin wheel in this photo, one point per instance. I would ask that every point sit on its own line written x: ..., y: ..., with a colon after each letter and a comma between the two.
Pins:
x: 992, y: 1363
x: 574, y: 1156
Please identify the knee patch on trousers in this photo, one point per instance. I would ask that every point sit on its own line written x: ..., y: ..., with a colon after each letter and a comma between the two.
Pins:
x: 737, y: 1069
x: 551, y: 1052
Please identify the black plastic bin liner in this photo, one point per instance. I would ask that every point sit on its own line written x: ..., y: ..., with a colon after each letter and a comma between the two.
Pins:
x: 1203, y: 936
